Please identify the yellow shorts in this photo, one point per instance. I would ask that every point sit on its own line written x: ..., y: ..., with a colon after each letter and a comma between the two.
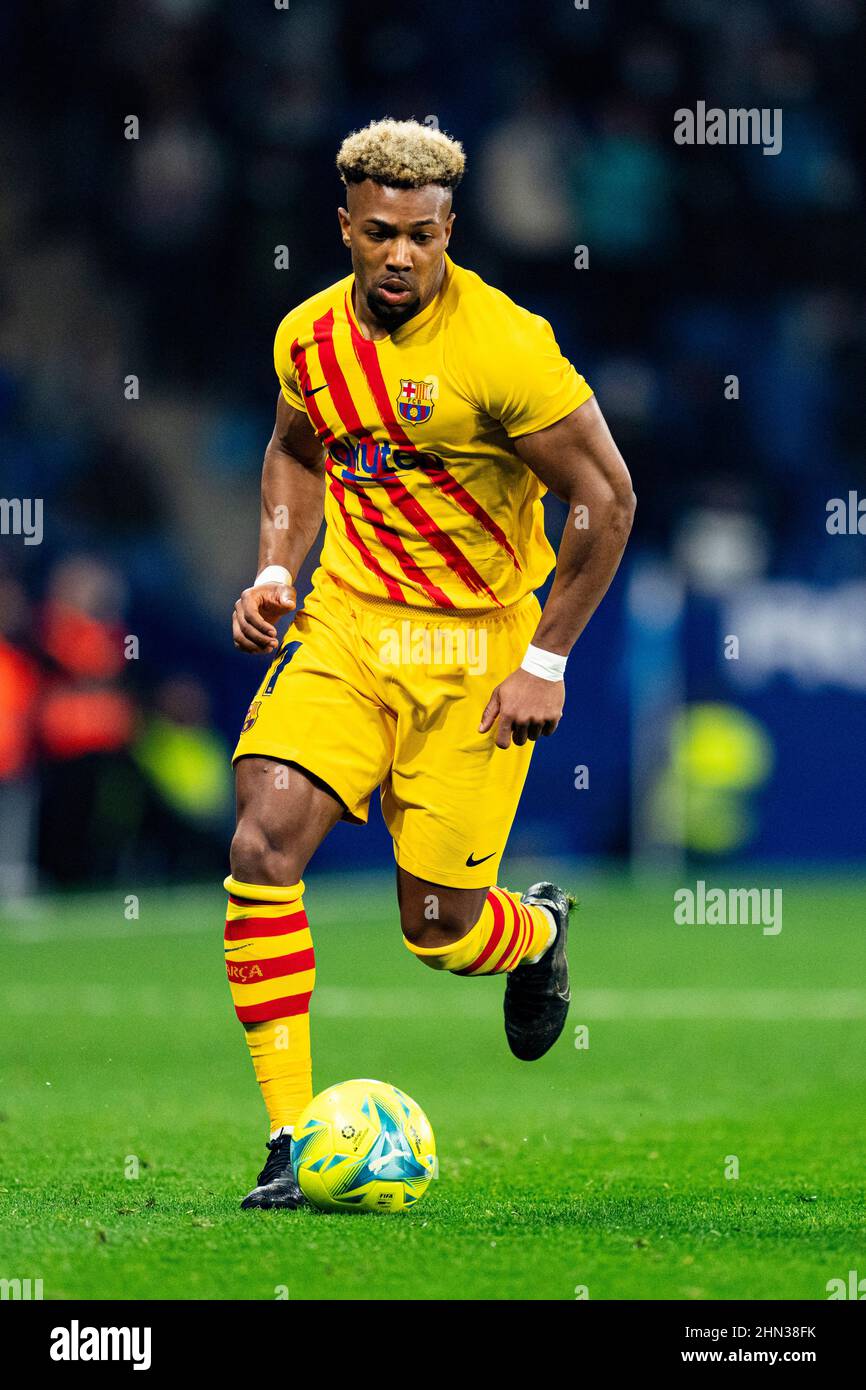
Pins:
x: 365, y: 694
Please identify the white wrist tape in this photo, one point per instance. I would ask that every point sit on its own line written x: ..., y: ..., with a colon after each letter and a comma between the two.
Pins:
x: 273, y: 574
x: 548, y: 665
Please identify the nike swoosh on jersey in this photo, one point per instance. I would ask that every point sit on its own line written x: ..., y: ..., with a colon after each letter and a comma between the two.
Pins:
x: 472, y: 863
x: 313, y: 391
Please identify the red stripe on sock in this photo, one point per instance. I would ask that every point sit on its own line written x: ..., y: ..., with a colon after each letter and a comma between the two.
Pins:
x: 494, y: 938
x: 265, y: 926
x: 525, y: 933
x: 516, y: 931
x: 248, y: 972
x: 289, y: 1007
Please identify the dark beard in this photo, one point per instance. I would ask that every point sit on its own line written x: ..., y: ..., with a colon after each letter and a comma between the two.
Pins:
x: 391, y: 315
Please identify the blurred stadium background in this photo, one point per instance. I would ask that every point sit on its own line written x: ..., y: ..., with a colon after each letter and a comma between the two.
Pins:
x: 154, y: 258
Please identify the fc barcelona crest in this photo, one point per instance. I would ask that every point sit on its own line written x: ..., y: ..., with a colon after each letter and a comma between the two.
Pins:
x: 415, y: 401
x: 252, y: 716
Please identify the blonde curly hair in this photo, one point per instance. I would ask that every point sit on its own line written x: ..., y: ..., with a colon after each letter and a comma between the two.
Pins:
x: 401, y: 154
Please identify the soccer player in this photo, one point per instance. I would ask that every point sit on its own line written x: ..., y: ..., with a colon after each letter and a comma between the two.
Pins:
x: 424, y: 415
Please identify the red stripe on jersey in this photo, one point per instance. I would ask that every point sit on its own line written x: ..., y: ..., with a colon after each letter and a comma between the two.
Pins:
x: 447, y: 483
x: 368, y: 360
x: 323, y: 332
x: 325, y: 433
x: 288, y: 1007
x: 240, y: 927
x: 249, y: 972
x: 494, y: 938
x: 427, y: 527
x: 339, y: 493
x: 389, y: 538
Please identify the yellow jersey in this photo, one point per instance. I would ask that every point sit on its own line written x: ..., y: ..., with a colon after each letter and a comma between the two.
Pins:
x: 427, y: 501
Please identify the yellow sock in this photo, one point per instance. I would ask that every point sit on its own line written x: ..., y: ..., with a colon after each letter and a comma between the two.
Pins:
x: 505, y: 934
x: 271, y: 971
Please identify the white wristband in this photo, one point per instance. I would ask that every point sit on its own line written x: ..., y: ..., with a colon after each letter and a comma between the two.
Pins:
x: 547, y: 665
x: 273, y: 574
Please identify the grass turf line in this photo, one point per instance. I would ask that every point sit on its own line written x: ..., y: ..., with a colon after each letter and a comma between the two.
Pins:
x: 601, y: 1167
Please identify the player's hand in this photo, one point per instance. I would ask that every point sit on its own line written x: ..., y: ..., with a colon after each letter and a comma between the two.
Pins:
x: 526, y: 706
x: 256, y: 612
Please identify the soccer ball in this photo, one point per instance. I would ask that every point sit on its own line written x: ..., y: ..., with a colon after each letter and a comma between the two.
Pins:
x: 363, y: 1146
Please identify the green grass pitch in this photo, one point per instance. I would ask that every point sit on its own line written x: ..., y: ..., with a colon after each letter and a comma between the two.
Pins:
x: 600, y: 1167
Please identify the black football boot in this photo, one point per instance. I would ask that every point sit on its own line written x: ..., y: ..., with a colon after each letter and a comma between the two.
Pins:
x: 277, y: 1184
x: 537, y: 996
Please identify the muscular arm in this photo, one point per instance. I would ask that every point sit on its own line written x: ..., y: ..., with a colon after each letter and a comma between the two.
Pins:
x: 579, y: 462
x: 293, y: 492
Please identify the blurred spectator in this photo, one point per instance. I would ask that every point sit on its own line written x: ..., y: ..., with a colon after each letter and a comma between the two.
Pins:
x: 86, y: 722
x: 187, y: 767
x: 19, y: 690
x: 140, y: 295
